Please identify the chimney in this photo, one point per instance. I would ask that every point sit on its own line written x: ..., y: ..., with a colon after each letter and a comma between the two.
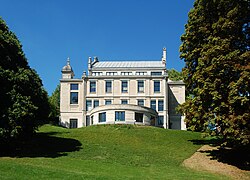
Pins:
x: 89, y: 63
x: 164, y: 56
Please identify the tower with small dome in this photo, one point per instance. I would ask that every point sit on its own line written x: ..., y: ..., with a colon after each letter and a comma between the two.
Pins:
x: 67, y: 71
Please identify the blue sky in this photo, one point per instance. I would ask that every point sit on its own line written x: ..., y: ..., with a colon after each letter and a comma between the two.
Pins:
x: 52, y: 30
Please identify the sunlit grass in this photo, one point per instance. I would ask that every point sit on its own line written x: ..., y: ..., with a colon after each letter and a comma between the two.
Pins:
x: 103, y: 152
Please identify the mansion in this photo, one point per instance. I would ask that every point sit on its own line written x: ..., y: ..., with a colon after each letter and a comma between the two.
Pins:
x: 121, y: 92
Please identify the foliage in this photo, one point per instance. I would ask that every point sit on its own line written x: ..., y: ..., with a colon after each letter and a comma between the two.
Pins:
x: 54, y: 101
x: 215, y: 48
x: 24, y: 102
x: 104, y: 152
x: 174, y: 75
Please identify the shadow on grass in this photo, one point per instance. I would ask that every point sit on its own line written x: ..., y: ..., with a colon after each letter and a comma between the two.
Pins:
x: 239, y: 157
x: 40, y: 145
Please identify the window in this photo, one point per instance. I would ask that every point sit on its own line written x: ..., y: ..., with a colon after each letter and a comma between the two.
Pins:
x: 140, y: 86
x: 124, y: 86
x: 96, y: 73
x: 111, y: 73
x: 88, y: 105
x: 160, y: 120
x: 157, y: 86
x: 107, y: 102
x: 156, y: 73
x: 120, y: 116
x: 141, y: 73
x: 92, y: 86
x: 73, y: 97
x: 108, y: 86
x: 153, y: 104
x: 139, y: 117
x: 126, y: 73
x: 160, y: 105
x: 73, y: 86
x: 140, y: 102
x: 73, y: 123
x: 124, y: 101
x: 102, y: 117
x: 96, y: 103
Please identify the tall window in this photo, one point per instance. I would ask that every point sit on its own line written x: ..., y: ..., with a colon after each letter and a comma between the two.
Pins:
x: 88, y: 105
x: 140, y: 102
x: 92, y: 86
x: 73, y: 123
x: 160, y: 120
x: 108, y: 86
x: 107, y: 101
x: 73, y: 86
x: 160, y: 105
x: 73, y: 97
x: 140, y: 86
x: 120, y: 116
x: 102, y: 117
x: 157, y: 86
x: 124, y: 101
x: 153, y: 104
x: 96, y: 103
x: 124, y: 86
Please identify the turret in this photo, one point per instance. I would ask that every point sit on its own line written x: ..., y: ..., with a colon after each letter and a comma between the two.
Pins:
x: 67, y: 71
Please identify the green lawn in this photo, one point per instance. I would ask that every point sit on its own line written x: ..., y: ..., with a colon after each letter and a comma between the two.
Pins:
x: 103, y: 152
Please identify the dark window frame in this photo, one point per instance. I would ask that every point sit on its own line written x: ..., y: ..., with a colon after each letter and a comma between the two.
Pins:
x: 74, y: 86
x: 140, y: 84
x: 102, y: 117
x: 108, y: 87
x: 119, y: 115
x: 160, y: 105
x: 73, y: 97
x: 91, y: 88
x: 73, y: 123
x: 157, y: 86
x: 153, y: 104
x: 124, y: 86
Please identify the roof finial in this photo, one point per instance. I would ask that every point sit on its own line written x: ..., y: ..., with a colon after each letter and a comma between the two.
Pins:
x: 68, y: 61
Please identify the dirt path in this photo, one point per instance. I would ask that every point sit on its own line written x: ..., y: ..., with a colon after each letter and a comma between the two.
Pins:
x: 202, y: 162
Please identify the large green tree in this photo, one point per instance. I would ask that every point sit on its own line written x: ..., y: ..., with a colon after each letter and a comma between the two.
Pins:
x: 23, y: 101
x: 215, y: 48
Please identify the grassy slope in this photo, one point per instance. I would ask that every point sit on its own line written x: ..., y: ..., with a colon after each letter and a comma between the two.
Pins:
x: 103, y: 152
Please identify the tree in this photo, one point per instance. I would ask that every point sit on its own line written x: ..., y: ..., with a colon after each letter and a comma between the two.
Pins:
x: 215, y: 48
x: 24, y: 102
x: 54, y: 101
x: 174, y: 75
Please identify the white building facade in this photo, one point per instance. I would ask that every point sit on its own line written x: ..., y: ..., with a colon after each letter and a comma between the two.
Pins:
x: 121, y: 92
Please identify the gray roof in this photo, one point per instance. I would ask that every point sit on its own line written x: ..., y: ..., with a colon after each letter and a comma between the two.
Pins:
x: 129, y: 64
x: 176, y: 82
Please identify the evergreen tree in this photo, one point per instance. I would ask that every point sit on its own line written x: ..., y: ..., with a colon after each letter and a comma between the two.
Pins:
x: 23, y: 101
x: 215, y: 48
